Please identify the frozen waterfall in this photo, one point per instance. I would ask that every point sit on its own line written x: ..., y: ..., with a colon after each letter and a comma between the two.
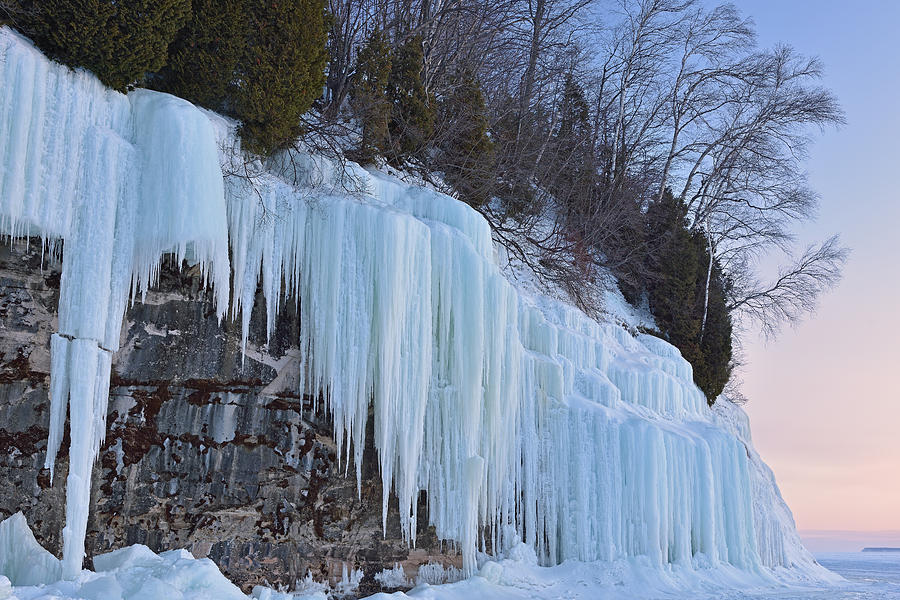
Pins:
x: 514, y: 413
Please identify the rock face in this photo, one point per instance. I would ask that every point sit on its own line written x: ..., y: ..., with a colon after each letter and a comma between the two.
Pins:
x: 205, y: 449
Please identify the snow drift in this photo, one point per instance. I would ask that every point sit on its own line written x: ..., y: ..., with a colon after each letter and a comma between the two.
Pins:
x: 522, y: 418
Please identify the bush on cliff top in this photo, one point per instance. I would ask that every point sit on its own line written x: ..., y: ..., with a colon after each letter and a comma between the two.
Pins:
x: 119, y: 41
x: 260, y: 61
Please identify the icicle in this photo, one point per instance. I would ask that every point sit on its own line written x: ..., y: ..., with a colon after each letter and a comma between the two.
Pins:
x: 526, y: 387
x: 121, y: 180
x: 473, y: 476
x: 568, y: 418
x: 59, y: 397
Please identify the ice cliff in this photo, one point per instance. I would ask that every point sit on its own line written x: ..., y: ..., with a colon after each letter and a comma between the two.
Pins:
x: 519, y: 416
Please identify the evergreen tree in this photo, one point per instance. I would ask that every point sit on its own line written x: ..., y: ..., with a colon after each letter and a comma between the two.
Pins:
x: 631, y: 273
x: 677, y: 293
x: 574, y: 114
x: 715, y: 339
x: 260, y: 61
x: 368, y: 96
x: 120, y: 42
x: 206, y: 54
x: 413, y: 110
x: 467, y: 153
x: 282, y: 70
x: 676, y: 267
x: 513, y: 185
x: 569, y: 170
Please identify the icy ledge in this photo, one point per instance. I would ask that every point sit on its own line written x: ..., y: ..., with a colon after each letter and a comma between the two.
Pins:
x: 522, y: 419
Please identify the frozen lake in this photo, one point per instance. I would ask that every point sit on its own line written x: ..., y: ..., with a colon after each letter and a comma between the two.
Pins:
x: 870, y: 576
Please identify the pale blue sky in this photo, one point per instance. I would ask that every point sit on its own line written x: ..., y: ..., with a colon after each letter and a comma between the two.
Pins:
x: 824, y: 399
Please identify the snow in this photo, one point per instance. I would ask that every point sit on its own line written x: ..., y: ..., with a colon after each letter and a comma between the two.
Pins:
x: 630, y: 580
x: 522, y: 418
x: 136, y: 573
x: 133, y: 573
x: 22, y: 560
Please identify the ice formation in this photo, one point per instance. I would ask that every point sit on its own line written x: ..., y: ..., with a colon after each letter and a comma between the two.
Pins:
x: 522, y: 418
x: 394, y: 577
x: 119, y: 180
x: 506, y: 409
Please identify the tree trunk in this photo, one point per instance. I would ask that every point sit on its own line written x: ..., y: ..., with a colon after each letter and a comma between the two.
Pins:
x: 708, y: 277
x: 537, y: 24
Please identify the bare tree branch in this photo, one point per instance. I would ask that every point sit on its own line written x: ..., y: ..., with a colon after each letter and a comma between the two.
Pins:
x: 796, y: 290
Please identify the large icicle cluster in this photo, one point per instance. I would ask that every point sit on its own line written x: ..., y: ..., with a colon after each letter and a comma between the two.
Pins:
x: 514, y: 413
x: 119, y: 181
x: 510, y: 410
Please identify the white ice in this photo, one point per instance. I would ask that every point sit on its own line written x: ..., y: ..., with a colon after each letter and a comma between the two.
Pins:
x: 512, y: 410
x: 119, y: 181
x: 520, y: 417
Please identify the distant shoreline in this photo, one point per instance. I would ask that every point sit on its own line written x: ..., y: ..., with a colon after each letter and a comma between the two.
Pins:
x: 881, y: 549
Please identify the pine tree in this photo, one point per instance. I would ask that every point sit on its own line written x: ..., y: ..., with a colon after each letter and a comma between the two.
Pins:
x: 573, y: 118
x: 282, y: 71
x: 677, y: 292
x: 413, y: 110
x: 634, y: 235
x: 206, y: 54
x: 260, y: 61
x: 119, y: 41
x: 676, y: 266
x: 715, y: 339
x: 368, y: 97
x: 514, y: 182
x: 569, y: 170
x: 467, y: 154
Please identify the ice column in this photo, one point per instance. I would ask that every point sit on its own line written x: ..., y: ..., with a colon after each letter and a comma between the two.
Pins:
x: 120, y: 180
x: 593, y: 443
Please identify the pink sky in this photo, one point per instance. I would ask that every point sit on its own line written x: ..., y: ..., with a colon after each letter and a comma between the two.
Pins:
x: 825, y: 397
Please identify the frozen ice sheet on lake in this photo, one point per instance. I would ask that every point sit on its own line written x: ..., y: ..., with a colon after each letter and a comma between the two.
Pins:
x: 866, y: 579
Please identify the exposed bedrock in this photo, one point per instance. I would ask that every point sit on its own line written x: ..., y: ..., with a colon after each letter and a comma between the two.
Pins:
x: 202, y: 451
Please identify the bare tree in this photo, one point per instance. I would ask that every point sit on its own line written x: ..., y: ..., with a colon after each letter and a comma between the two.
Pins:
x: 676, y: 96
x: 794, y: 293
x: 750, y: 188
x: 350, y: 21
x: 711, y: 45
x: 16, y: 14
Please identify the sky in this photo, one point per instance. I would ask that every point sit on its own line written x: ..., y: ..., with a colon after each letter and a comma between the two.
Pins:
x: 824, y: 399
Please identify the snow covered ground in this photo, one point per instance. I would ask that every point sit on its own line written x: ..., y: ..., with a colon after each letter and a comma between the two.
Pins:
x: 867, y: 577
x: 136, y: 573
